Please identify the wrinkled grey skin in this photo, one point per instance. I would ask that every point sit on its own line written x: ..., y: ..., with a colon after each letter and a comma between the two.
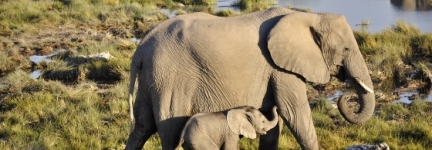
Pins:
x: 199, y: 63
x: 221, y: 130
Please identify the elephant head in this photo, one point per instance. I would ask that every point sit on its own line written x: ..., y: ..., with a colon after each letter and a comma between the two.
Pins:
x: 317, y: 46
x: 248, y: 121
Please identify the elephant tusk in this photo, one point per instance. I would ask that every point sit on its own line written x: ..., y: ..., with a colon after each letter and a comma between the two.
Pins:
x: 364, y: 86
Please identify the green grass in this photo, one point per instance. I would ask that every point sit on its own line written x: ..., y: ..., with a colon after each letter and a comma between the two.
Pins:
x: 27, y: 15
x: 50, y: 115
x: 400, y: 126
x: 39, y: 27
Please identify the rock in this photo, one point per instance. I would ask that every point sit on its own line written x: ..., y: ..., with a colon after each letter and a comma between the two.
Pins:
x: 386, y: 97
x: 381, y: 146
x: 100, y: 56
x: 379, y: 95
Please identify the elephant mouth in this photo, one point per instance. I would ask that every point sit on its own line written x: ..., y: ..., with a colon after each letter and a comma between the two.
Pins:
x: 340, y: 73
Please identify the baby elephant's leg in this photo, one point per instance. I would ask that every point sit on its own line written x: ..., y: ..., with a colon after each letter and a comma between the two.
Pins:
x: 200, y: 145
x: 231, y: 143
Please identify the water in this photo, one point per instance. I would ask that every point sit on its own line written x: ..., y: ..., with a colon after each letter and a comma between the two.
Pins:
x: 226, y: 4
x: 45, y: 58
x: 36, y: 74
x: 168, y: 12
x: 38, y: 59
x: 337, y: 94
x: 381, y: 14
x: 404, y: 97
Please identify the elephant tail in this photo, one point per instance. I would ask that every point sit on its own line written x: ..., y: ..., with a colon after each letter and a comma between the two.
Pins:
x: 181, y: 141
x: 180, y: 144
x: 133, y: 73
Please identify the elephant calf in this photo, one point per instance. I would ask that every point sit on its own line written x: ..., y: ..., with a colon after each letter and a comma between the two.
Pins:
x: 221, y: 130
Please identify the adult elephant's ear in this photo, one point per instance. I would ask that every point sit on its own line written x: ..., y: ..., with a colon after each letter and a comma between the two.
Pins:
x: 294, y: 45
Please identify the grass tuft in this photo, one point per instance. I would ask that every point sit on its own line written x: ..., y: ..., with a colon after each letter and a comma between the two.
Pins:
x: 17, y: 80
x: 405, y: 28
x: 225, y: 13
x: 6, y: 64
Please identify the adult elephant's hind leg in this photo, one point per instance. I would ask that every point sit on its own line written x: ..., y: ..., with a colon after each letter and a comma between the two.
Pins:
x: 291, y: 99
x: 145, y: 125
x: 170, y: 131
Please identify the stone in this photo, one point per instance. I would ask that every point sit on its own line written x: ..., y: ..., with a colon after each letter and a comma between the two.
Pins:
x: 381, y: 146
x: 99, y: 56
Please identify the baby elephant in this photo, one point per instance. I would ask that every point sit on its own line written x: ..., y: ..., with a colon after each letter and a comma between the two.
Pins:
x: 222, y: 130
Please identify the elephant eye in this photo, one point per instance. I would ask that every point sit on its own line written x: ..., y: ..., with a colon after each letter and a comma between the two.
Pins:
x: 346, y: 48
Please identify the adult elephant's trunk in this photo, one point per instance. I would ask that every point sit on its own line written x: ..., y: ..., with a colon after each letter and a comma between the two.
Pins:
x: 272, y: 123
x: 356, y: 69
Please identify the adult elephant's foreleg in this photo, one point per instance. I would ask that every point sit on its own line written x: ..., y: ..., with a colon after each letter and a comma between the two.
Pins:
x: 145, y: 125
x: 291, y: 98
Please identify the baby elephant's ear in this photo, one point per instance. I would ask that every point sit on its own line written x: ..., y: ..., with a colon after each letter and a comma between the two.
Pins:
x: 239, y: 123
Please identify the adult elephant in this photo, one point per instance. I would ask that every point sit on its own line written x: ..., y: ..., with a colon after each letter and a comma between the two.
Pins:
x: 202, y: 63
x: 412, y: 4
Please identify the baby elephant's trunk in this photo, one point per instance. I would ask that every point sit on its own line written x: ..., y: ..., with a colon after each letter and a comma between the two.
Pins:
x: 272, y: 123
